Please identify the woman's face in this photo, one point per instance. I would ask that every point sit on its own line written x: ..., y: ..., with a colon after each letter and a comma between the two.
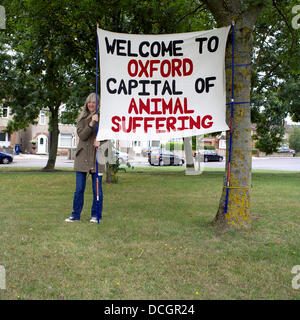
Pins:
x: 91, y: 106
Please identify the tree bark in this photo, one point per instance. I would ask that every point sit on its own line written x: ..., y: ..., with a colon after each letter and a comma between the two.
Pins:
x: 111, y: 176
x: 53, y: 141
x: 108, y: 172
x: 238, y: 205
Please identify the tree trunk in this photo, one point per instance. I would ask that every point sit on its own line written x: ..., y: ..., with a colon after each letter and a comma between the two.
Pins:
x: 238, y: 205
x: 108, y: 172
x: 53, y: 133
x: 111, y: 174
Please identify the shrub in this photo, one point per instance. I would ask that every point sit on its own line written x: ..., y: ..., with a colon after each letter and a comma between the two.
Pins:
x: 209, y: 148
x: 174, y: 146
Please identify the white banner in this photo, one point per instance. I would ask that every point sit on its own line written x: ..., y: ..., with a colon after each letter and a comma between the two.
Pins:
x: 159, y: 87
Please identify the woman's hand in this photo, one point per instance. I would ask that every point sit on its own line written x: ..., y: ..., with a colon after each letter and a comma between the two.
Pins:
x: 94, y: 119
x: 96, y: 143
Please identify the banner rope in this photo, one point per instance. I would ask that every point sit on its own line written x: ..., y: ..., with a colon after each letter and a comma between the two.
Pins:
x: 237, y: 187
x: 239, y: 65
x: 229, y: 103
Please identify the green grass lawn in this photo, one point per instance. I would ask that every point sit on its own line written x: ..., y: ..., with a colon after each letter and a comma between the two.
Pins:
x: 155, y: 241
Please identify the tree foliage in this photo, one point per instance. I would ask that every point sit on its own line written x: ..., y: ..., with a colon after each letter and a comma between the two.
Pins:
x: 275, y: 74
x: 294, y: 139
x: 43, y: 69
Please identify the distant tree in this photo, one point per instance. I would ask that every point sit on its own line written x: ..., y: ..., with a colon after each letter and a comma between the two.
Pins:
x: 275, y: 88
x: 294, y: 139
x: 44, y: 72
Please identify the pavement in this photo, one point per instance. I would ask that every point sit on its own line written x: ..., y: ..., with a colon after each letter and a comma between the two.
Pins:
x: 30, y: 156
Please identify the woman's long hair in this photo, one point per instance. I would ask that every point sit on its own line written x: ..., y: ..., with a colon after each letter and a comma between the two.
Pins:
x: 85, y: 113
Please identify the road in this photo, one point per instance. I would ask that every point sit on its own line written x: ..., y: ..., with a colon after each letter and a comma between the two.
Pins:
x: 286, y: 164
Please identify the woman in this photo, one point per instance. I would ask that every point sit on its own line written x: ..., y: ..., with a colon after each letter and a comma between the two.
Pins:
x: 85, y: 160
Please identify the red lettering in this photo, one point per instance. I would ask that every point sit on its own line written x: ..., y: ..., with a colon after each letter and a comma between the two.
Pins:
x: 152, y: 68
x: 167, y: 106
x: 135, y: 124
x: 183, y: 127
x: 176, y: 64
x: 178, y: 106
x: 132, y: 107
x: 208, y: 124
x: 159, y: 125
x: 146, y: 125
x: 130, y: 63
x: 114, y: 120
x: 170, y: 124
x: 144, y: 107
x: 185, y: 107
x: 184, y: 67
x: 162, y: 68
x: 162, y: 124
x: 124, y: 124
x: 143, y: 69
x: 196, y: 123
x: 174, y: 67
x: 156, y: 111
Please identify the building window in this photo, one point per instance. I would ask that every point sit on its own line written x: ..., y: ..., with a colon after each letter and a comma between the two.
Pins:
x: 2, y: 136
x: 4, y: 112
x: 222, y: 144
x: 42, y: 117
x: 65, y: 140
x: 4, y: 139
x: 137, y: 143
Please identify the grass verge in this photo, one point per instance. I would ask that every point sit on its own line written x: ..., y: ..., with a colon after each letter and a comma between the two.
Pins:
x: 155, y: 241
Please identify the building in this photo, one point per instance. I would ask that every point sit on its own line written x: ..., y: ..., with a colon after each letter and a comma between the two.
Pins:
x: 35, y: 139
x: 6, y: 140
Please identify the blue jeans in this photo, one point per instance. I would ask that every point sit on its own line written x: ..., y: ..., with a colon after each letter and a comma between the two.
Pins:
x: 79, y: 195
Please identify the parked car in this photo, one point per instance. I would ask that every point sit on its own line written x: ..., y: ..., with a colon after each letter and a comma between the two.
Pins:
x: 286, y: 150
x: 5, y: 158
x: 161, y: 157
x: 146, y: 151
x: 122, y: 156
x: 208, y: 155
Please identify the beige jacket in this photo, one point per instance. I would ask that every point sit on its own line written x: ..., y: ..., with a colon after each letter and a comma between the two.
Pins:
x: 85, y: 156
